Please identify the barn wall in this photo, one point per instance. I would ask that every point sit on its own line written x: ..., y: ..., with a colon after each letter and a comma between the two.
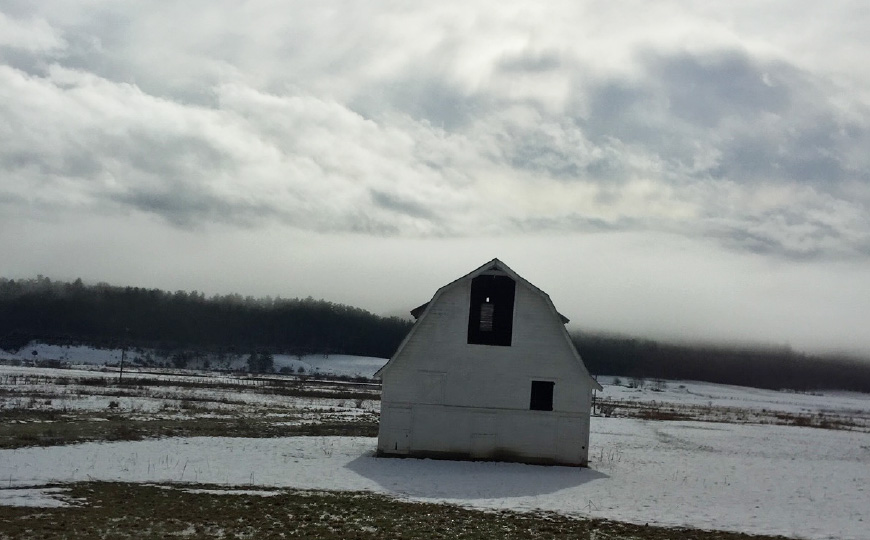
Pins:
x: 440, y: 395
x: 476, y: 433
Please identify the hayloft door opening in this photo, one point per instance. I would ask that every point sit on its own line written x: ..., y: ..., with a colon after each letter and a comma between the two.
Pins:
x: 491, y: 310
x: 542, y: 396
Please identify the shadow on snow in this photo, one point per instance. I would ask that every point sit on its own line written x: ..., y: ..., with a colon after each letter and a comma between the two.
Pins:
x: 443, y: 479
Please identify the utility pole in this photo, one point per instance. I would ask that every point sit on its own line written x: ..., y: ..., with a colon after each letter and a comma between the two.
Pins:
x: 594, y: 394
x: 123, y: 354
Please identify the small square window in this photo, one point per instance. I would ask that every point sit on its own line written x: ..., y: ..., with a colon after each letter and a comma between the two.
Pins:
x: 542, y: 396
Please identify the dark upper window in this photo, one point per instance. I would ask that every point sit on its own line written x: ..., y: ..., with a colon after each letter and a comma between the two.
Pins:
x: 491, y: 310
x: 542, y: 396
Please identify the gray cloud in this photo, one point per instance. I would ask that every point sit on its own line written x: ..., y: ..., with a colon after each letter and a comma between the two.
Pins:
x: 762, y: 121
x: 403, y: 206
x: 578, y: 223
x: 425, y: 98
x: 707, y: 89
x: 753, y: 235
x: 531, y: 61
x: 562, y: 150
x: 187, y: 208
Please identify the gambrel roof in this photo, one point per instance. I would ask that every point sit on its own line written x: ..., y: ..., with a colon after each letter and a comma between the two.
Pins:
x: 494, y: 265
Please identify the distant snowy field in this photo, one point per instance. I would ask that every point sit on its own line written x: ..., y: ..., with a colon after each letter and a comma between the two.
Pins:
x: 701, y: 394
x: 333, y: 364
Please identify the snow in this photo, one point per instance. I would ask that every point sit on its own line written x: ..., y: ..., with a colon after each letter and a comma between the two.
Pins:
x: 33, y: 497
x: 332, y: 364
x: 75, y: 354
x: 165, y: 401
x: 794, y: 481
x: 722, y: 395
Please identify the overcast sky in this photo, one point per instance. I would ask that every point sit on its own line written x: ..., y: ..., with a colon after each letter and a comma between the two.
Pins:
x: 698, y: 170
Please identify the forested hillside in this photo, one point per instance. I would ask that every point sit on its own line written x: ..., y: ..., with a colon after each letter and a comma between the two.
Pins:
x: 104, y: 315
x: 759, y: 367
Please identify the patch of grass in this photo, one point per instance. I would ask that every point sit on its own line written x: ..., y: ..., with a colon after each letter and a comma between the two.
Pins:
x: 22, y: 428
x: 349, y: 429
x: 661, y: 414
x: 719, y: 414
x: 291, y: 387
x: 119, y: 510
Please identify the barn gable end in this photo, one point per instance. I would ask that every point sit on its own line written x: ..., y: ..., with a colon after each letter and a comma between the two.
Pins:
x: 489, y: 372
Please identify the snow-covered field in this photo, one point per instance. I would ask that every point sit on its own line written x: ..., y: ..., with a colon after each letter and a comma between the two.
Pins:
x: 800, y: 482
x: 737, y: 475
x: 692, y: 400
x: 214, y: 391
x: 333, y: 364
x: 694, y: 393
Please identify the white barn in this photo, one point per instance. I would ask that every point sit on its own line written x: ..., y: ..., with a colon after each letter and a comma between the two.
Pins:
x: 487, y: 372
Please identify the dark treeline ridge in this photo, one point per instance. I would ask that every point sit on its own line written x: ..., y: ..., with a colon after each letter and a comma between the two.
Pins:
x: 755, y: 366
x: 109, y: 316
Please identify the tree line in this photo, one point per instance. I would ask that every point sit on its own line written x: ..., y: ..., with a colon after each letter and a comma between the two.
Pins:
x: 182, y: 322
x: 109, y: 316
x: 760, y: 367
